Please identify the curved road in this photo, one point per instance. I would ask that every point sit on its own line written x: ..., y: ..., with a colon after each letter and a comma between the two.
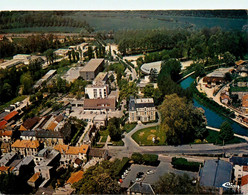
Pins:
x: 131, y: 146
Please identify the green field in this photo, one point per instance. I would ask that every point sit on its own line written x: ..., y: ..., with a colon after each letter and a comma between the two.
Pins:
x: 129, y: 127
x: 108, y: 21
x: 144, y: 136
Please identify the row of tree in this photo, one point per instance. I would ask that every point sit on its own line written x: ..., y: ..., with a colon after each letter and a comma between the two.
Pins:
x: 201, y: 45
x: 10, y: 20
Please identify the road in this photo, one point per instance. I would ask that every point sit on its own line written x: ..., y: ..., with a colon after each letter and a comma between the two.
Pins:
x: 130, y: 146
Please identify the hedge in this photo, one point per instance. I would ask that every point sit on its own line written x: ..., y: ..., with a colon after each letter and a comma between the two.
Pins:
x: 183, y: 164
x: 148, y: 159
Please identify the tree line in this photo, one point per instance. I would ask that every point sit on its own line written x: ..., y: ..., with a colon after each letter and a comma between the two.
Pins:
x: 20, y: 19
x: 197, y: 45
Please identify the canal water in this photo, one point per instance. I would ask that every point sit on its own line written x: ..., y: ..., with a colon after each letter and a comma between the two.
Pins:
x: 214, y: 119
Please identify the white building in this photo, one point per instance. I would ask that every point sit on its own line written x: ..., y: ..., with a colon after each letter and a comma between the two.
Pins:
x: 99, y: 88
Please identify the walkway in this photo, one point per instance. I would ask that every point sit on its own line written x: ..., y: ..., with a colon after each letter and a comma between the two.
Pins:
x: 236, y: 135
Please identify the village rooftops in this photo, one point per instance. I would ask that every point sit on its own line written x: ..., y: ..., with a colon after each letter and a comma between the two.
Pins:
x: 25, y: 144
x: 48, y: 134
x: 34, y: 178
x: 75, y: 177
x: 92, y: 65
x: 29, y: 123
x: 74, y: 150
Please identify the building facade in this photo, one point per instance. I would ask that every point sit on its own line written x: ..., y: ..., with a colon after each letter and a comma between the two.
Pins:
x: 142, y: 110
x: 91, y: 69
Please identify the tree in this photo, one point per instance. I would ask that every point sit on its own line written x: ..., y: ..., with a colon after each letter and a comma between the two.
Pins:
x: 199, y: 69
x: 228, y: 77
x: 50, y: 56
x: 180, y: 121
x: 90, y: 52
x: 26, y: 82
x: 171, y: 67
x: 228, y: 59
x: 170, y: 183
x: 226, y: 131
x: 153, y: 75
x: 149, y: 91
x: 114, y: 129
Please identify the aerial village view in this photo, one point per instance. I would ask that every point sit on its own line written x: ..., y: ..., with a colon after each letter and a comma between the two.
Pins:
x: 124, y: 102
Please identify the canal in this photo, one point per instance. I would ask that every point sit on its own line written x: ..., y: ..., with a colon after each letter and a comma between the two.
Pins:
x: 214, y: 119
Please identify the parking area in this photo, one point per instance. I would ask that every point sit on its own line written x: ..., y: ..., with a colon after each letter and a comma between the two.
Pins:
x: 153, y: 175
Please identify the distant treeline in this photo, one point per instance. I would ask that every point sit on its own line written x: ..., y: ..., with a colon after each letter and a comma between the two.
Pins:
x: 20, y: 19
x: 204, y: 44
x: 201, y: 13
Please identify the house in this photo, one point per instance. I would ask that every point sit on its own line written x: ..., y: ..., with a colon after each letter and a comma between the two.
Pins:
x: 224, y: 97
x: 11, y: 116
x: 27, y: 162
x: 70, y: 153
x: 6, y: 136
x: 216, y: 77
x: 5, y: 170
x: 7, y: 159
x: 45, y: 78
x: 245, y: 104
x: 61, y: 52
x: 242, y: 70
x: 239, y: 172
x: 29, y: 123
x: 11, y: 63
x: 26, y: 147
x: 240, y: 62
x: 106, y: 104
x: 28, y: 135
x: 5, y: 147
x: 3, y: 124
x: 142, y: 110
x: 92, y: 68
x: 140, y: 188
x: 98, y: 153
x: 100, y: 120
x: 75, y: 177
x: 244, y: 184
x: 35, y: 180
x: 49, y: 138
x: 215, y: 173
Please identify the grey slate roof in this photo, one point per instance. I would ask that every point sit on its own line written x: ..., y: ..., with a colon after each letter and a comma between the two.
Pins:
x: 28, y: 133
x: 239, y: 160
x: 215, y: 173
x: 139, y: 187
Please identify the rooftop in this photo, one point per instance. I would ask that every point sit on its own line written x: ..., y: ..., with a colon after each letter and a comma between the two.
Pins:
x: 100, y: 78
x: 11, y: 115
x: 34, y: 178
x: 107, y: 103
x: 75, y: 177
x: 245, y: 101
x: 235, y: 160
x: 25, y: 144
x: 141, y: 188
x: 92, y: 65
x: 215, y: 173
x: 48, y: 134
x: 141, y: 103
x: 74, y: 150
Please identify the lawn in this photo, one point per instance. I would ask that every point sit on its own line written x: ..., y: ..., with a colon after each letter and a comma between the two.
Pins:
x: 104, y: 134
x: 17, y: 99
x: 129, y: 127
x: 213, y: 137
x: 144, y: 136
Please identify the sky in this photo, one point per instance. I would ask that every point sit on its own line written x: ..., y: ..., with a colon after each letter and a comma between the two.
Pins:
x: 121, y: 4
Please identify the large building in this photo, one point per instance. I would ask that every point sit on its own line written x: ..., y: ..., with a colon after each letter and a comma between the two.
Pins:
x: 92, y: 68
x: 99, y: 87
x: 142, y: 110
x: 106, y: 104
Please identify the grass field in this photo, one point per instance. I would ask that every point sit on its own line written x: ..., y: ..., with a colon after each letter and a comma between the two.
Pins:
x: 213, y: 137
x: 144, y: 136
x: 125, y: 20
x: 129, y: 127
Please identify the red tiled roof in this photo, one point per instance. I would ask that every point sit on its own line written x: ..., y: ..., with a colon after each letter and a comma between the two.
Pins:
x: 34, y: 177
x: 25, y: 144
x: 10, y: 115
x: 8, y: 133
x: 245, y: 168
x: 245, y: 101
x: 244, y: 180
x: 2, y: 124
x: 75, y: 177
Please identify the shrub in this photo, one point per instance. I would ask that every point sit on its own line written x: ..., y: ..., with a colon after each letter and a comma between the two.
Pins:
x: 137, y: 158
x: 150, y: 159
x: 183, y: 164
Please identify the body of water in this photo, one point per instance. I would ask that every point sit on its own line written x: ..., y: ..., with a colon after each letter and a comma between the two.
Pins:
x: 214, y: 119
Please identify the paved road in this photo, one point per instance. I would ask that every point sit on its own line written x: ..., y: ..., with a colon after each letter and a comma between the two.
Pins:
x: 131, y: 146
